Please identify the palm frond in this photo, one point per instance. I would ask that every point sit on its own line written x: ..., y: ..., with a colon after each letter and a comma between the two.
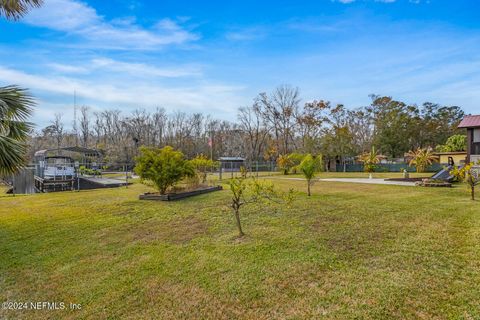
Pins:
x: 16, y: 106
x: 15, y: 103
x: 15, y: 9
x: 421, y: 158
x: 12, y: 155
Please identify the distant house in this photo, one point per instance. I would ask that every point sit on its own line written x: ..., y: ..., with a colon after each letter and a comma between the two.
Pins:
x: 472, y: 124
x: 455, y: 157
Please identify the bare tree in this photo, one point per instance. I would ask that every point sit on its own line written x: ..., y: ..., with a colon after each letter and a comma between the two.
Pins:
x: 280, y: 111
x: 311, y: 123
x: 85, y: 125
x: 57, y: 129
x: 253, y: 126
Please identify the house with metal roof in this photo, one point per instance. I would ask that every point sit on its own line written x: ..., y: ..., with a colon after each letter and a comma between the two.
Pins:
x: 472, y: 124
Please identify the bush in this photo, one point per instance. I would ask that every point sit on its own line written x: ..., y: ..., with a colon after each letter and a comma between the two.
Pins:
x: 288, y: 163
x: 284, y: 163
x: 421, y: 158
x: 163, y: 167
x: 202, y: 164
x: 370, y: 160
x: 454, y: 143
x: 87, y: 171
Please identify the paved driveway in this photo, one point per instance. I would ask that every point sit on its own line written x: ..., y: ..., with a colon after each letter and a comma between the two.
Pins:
x: 362, y: 180
x: 371, y: 181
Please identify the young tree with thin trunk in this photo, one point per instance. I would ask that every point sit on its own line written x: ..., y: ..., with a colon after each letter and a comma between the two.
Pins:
x: 245, y: 191
x: 469, y: 175
x: 309, y: 166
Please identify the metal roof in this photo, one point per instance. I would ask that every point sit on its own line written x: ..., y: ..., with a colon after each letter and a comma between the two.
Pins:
x: 86, y: 151
x: 231, y: 159
x: 470, y: 121
x: 450, y: 153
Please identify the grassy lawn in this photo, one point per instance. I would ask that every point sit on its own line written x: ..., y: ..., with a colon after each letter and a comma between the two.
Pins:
x: 350, y: 251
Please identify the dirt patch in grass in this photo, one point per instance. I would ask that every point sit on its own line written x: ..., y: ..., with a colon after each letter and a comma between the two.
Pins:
x: 178, y: 231
x: 351, y: 238
x: 355, y: 242
x: 326, y: 223
x: 171, y: 300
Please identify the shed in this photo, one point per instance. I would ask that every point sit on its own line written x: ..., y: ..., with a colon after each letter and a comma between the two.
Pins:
x: 231, y: 164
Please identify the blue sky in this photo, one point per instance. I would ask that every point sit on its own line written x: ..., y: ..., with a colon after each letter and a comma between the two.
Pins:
x: 214, y: 56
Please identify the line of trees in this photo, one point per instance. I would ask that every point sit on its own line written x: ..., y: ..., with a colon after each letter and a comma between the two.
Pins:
x: 276, y: 124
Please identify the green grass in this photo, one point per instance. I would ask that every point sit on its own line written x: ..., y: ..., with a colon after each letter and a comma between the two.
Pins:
x: 349, y: 251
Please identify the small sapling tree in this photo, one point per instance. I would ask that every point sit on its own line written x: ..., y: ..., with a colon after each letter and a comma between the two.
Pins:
x: 309, y: 166
x: 295, y: 159
x: 245, y: 191
x: 163, y: 167
x: 202, y: 164
x: 469, y: 175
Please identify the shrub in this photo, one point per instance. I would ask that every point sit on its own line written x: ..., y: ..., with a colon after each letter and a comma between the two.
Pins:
x: 369, y: 160
x: 284, y: 163
x: 87, y: 171
x: 289, y: 162
x: 163, y: 167
x: 421, y: 158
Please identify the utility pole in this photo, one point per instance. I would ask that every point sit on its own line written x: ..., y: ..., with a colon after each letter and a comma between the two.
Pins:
x: 75, y: 116
x: 210, y: 143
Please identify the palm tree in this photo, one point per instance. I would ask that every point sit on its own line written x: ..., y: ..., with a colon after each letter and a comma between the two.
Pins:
x: 309, y: 166
x: 421, y: 158
x: 15, y: 103
x: 15, y: 108
x: 370, y: 160
x: 15, y: 9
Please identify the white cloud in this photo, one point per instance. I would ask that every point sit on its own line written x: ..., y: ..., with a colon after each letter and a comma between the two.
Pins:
x: 77, y: 18
x: 138, y: 70
x: 64, y: 15
x: 65, y: 68
x: 220, y: 99
x: 246, y: 34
